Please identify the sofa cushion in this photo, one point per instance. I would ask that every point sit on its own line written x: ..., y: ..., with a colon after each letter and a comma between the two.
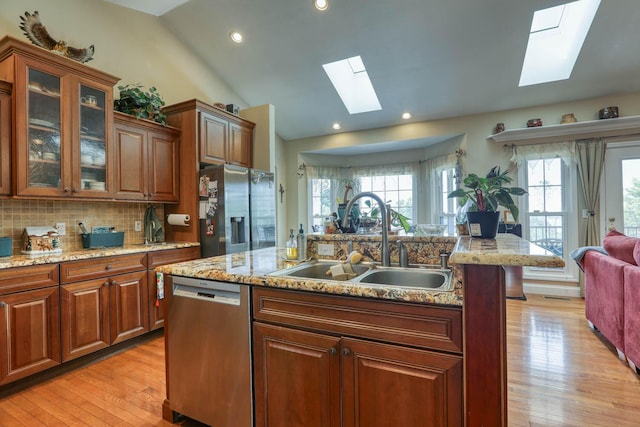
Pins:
x: 620, y: 246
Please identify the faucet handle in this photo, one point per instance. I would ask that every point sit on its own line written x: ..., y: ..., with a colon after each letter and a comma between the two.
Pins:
x: 403, y: 256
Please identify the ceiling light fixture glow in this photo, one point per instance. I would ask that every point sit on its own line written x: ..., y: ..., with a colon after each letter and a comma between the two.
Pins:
x: 336, y: 126
x: 555, y: 39
x: 351, y: 80
x: 235, y: 36
x: 406, y: 116
x: 321, y: 5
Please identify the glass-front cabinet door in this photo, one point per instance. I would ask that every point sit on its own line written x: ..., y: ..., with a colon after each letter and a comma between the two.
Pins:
x: 44, y: 119
x: 92, y: 175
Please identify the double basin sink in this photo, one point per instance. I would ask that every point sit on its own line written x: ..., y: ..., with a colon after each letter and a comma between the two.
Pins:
x: 412, y: 278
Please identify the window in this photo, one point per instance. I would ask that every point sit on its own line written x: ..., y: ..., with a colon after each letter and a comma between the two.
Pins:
x: 546, y: 215
x: 448, y: 206
x: 395, y: 189
x: 321, y: 201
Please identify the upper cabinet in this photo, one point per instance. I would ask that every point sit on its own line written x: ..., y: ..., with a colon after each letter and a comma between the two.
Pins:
x: 220, y: 137
x: 5, y: 138
x: 146, y: 160
x: 62, y: 140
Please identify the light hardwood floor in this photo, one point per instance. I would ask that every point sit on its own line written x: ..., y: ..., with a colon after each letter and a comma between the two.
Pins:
x: 560, y: 374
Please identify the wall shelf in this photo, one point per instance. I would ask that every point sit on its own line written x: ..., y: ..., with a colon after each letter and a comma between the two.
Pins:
x: 570, y: 131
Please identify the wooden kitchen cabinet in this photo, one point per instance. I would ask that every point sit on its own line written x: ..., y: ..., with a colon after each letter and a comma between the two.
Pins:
x: 154, y: 260
x: 209, y: 135
x: 29, y: 321
x: 329, y: 349
x: 62, y: 135
x: 147, y: 160
x: 104, y: 302
x: 5, y: 138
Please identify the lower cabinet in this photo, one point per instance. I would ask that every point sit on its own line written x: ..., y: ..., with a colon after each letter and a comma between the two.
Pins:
x: 324, y: 378
x: 29, y: 324
x: 104, y: 310
x: 156, y: 259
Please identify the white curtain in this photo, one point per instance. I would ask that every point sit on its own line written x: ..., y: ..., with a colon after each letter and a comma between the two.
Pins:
x: 432, y: 170
x: 564, y: 150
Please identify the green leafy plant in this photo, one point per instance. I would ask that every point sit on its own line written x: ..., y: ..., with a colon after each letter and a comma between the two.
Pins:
x: 488, y: 193
x: 397, y: 219
x: 140, y: 103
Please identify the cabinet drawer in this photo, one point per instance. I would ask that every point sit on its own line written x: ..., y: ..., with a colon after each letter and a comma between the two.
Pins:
x: 171, y: 256
x: 94, y: 268
x: 26, y: 278
x: 416, y: 325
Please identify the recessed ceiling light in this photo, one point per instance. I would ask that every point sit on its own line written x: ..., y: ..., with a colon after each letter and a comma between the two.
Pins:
x: 235, y: 36
x: 555, y: 39
x: 350, y: 79
x: 321, y: 4
x: 336, y: 126
x: 406, y: 116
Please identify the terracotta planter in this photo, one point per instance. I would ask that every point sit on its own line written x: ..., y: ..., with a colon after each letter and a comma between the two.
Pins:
x: 483, y: 224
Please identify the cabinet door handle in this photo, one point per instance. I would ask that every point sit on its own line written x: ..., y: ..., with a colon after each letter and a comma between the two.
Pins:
x: 346, y: 351
x: 333, y: 351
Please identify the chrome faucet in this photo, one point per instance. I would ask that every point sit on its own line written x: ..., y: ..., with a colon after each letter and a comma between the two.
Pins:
x: 403, y: 256
x: 386, y: 259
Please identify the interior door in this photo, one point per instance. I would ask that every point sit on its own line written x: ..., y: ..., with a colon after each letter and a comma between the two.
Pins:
x: 620, y: 198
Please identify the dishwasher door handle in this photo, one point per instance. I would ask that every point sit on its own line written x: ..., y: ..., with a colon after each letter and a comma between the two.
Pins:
x: 208, y: 295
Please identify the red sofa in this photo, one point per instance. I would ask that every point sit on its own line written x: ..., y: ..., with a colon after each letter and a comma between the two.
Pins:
x: 612, y: 294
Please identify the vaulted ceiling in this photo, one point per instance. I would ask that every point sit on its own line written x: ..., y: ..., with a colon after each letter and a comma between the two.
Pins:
x: 433, y: 58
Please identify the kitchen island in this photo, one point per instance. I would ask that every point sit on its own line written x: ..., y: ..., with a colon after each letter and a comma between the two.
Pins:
x: 443, y: 353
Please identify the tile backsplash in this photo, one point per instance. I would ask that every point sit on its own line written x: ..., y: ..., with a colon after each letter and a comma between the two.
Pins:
x: 15, y: 215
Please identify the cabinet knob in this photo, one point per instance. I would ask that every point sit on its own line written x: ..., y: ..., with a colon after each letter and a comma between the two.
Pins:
x: 108, y: 267
x: 3, y: 304
x: 75, y: 190
x: 107, y: 283
x: 67, y: 190
x: 333, y: 351
x: 113, y: 283
x: 346, y: 351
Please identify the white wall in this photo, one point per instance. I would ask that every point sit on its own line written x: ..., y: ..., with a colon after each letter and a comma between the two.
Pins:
x: 129, y: 44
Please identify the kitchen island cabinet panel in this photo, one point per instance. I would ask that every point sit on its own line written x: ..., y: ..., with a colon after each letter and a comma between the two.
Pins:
x: 297, y: 377
x: 424, y: 388
x: 29, y: 332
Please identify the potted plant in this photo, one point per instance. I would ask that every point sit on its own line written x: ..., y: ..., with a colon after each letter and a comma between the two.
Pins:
x: 141, y: 104
x: 486, y: 194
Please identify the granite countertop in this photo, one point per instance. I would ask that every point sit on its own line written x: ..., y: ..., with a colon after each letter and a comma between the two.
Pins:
x: 505, y: 249
x: 253, y: 267
x: 27, y: 260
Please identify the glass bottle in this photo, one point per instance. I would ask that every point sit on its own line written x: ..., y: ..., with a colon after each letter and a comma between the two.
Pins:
x: 301, y: 241
x: 292, y: 246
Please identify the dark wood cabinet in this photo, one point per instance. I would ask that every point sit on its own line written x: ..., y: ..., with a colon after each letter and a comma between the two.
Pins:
x: 147, y: 160
x: 156, y: 259
x: 329, y: 350
x: 5, y: 138
x: 104, y: 301
x: 62, y: 135
x: 214, y: 138
x: 29, y: 321
x: 223, y: 137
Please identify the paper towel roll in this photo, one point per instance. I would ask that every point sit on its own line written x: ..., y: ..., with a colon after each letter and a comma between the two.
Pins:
x: 179, y: 219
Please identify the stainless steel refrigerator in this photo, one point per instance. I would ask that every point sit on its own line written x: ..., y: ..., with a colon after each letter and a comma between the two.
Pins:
x: 262, y: 209
x: 237, y: 209
x: 224, y: 210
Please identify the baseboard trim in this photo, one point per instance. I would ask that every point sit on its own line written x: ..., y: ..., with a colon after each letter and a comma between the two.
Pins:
x: 559, y: 290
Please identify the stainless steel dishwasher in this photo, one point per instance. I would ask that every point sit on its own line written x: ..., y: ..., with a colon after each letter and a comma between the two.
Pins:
x: 209, y: 352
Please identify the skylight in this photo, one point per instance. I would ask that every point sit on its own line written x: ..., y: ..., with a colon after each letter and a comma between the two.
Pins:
x: 555, y: 40
x: 350, y: 79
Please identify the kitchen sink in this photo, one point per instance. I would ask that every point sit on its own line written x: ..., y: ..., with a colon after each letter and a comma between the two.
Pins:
x: 439, y: 280
x: 317, y: 270
x: 415, y: 278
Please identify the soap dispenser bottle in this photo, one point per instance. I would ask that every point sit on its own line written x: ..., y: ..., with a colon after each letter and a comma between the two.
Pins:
x: 292, y: 246
x: 302, y: 244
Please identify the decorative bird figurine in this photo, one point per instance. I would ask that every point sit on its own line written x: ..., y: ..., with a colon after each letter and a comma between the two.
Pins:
x: 37, y: 33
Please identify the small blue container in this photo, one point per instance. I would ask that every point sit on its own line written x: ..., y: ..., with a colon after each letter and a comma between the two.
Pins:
x: 6, y: 244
